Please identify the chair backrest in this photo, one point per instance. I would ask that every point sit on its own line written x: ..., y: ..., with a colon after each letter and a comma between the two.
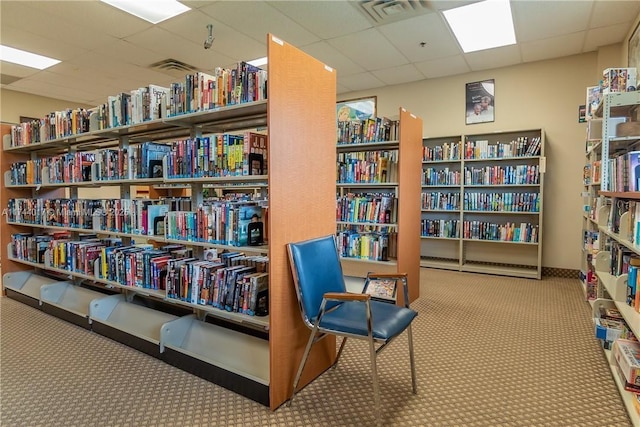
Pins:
x: 316, y: 270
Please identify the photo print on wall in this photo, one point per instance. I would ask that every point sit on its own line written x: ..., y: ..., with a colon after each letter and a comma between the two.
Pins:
x: 480, y: 102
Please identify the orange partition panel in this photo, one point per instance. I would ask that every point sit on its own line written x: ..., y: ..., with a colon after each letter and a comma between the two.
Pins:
x: 409, y: 172
x: 301, y: 116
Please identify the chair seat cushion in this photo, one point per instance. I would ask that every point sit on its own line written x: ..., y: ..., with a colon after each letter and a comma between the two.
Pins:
x: 350, y: 317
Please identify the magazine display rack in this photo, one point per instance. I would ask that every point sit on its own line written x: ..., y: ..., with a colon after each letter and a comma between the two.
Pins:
x: 252, y: 357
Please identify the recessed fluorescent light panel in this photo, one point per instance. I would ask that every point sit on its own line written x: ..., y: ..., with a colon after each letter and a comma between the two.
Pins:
x: 258, y: 62
x: 483, y: 25
x: 153, y: 11
x: 28, y: 59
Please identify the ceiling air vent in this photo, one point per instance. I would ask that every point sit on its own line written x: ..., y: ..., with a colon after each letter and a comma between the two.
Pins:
x: 386, y: 11
x: 173, y: 67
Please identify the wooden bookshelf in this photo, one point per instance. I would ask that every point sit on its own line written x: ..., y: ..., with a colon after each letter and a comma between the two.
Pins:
x: 300, y: 117
x: 500, y: 257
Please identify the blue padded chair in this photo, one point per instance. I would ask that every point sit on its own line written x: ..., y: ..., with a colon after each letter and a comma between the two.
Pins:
x: 328, y: 309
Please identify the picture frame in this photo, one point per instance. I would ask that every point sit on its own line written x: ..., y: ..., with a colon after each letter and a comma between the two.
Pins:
x: 633, y: 58
x: 356, y: 109
x: 480, y: 102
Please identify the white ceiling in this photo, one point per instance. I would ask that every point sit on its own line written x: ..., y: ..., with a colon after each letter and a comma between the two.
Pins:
x: 105, y: 51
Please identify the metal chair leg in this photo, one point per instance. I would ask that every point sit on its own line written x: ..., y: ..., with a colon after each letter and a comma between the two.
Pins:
x: 413, y: 362
x: 344, y: 341
x: 374, y: 375
x: 302, y: 363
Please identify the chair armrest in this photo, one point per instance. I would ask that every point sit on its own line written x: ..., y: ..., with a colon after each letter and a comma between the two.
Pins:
x: 386, y: 275
x: 346, y: 296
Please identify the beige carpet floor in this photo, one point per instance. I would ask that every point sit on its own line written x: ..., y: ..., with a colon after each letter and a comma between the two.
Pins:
x: 490, y: 351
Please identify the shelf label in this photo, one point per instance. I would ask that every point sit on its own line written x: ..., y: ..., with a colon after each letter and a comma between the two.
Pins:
x: 277, y: 40
x: 329, y: 69
x: 543, y: 165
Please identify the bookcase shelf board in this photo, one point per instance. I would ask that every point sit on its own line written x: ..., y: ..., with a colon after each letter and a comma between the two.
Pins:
x: 70, y: 301
x: 238, y: 354
x: 500, y: 270
x: 442, y: 264
x: 137, y: 325
x: 25, y: 286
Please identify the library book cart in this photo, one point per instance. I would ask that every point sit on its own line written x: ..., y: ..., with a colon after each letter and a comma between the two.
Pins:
x: 253, y: 356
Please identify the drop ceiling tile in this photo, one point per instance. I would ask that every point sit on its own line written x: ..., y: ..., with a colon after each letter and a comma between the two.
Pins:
x: 170, y: 45
x: 606, y: 13
x: 430, y: 28
x: 493, y: 58
x: 122, y: 50
x: 398, y: 75
x: 51, y: 91
x: 256, y: 19
x: 535, y: 20
x: 229, y: 46
x: 604, y: 36
x: 443, y: 67
x: 16, y: 70
x: 360, y: 81
x: 553, y: 47
x: 325, y: 19
x: 20, y: 39
x: 342, y: 89
x: 326, y: 53
x: 100, y: 17
x: 56, y: 28
x: 369, y: 49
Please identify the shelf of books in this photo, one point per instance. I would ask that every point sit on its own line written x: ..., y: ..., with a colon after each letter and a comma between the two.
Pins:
x: 482, y: 203
x: 591, y: 183
x: 201, y: 281
x: 378, y: 198
x: 611, y: 254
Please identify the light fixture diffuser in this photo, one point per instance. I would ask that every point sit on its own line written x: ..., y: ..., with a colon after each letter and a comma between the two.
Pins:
x: 258, y: 62
x: 482, y: 25
x: 153, y: 11
x: 28, y: 59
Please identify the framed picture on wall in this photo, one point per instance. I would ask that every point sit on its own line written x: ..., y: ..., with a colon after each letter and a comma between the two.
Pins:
x: 480, y: 102
x: 356, y: 109
x: 634, y: 48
